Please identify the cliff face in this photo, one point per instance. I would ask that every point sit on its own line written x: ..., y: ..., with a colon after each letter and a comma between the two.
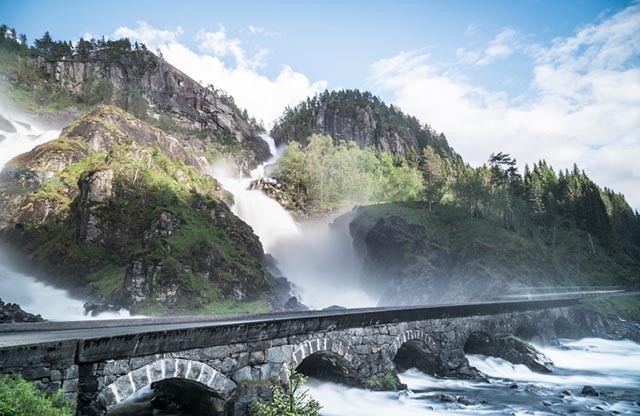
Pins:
x: 166, y: 89
x: 352, y: 115
x: 122, y: 208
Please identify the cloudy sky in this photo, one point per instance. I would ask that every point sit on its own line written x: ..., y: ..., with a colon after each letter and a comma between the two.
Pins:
x: 558, y: 80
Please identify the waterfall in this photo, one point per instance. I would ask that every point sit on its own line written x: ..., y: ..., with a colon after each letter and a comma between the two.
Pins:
x: 318, y: 261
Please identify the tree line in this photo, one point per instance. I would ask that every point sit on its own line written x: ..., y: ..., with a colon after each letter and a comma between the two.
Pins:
x: 324, y: 172
x: 52, y: 50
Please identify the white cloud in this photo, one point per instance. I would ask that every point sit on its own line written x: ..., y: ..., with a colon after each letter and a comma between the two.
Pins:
x: 501, y: 46
x: 584, y: 107
x: 150, y: 36
x: 256, y: 29
x: 264, y: 98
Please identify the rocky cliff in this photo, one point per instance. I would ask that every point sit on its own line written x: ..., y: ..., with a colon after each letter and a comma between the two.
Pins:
x: 123, y: 209
x: 352, y: 115
x: 167, y: 89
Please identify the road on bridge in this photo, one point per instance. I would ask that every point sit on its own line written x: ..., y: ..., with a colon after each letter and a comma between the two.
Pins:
x: 35, y: 333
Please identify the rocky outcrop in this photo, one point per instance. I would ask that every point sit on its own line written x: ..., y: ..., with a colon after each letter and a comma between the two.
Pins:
x: 6, y: 126
x: 123, y: 212
x: 12, y: 313
x: 96, y: 189
x: 352, y: 115
x: 510, y: 348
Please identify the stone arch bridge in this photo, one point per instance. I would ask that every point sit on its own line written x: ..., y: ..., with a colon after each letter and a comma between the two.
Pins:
x: 99, y: 364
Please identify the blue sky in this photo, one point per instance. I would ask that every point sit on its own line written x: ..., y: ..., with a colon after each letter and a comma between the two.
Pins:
x: 558, y: 80
x: 330, y: 40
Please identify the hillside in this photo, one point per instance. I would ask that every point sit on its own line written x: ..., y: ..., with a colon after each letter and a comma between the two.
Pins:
x: 60, y: 81
x: 411, y: 257
x: 123, y: 209
x: 352, y: 115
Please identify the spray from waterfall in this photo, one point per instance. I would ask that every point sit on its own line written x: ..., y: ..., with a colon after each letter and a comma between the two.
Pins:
x: 317, y: 259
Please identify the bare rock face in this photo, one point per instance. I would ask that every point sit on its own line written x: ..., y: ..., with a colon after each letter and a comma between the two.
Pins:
x: 162, y: 85
x: 96, y: 189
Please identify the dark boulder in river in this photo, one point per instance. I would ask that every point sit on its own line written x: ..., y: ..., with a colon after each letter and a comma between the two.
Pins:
x: 12, y: 313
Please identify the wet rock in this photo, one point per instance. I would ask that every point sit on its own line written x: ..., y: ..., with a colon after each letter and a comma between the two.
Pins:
x: 95, y: 309
x: 6, y: 125
x: 565, y: 393
x: 293, y: 305
x: 546, y: 403
x: 12, y: 313
x: 589, y: 391
x: 464, y: 400
x: 444, y: 397
x: 513, y: 386
x: 510, y: 348
x: 334, y: 308
x: 96, y: 188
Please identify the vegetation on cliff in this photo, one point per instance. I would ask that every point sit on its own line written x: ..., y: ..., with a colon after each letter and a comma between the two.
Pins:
x: 413, y: 256
x: 120, y: 207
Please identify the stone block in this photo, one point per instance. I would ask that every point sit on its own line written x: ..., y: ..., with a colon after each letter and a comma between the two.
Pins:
x: 71, y: 372
x: 70, y: 386
x: 279, y: 354
x: 243, y: 374
x: 56, y: 375
x: 256, y: 358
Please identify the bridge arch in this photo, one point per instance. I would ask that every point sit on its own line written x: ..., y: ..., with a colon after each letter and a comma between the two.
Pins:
x: 327, y: 359
x: 414, y: 348
x: 411, y: 335
x: 164, y: 369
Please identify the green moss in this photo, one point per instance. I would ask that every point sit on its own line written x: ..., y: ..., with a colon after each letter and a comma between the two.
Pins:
x: 108, y: 280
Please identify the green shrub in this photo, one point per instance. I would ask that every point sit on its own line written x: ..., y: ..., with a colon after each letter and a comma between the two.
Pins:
x: 19, y: 397
x: 289, y: 401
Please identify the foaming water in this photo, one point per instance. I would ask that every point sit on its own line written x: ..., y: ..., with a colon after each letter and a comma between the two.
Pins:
x: 38, y: 298
x: 26, y: 136
x: 316, y: 259
x: 611, y: 367
x: 322, y: 264
x: 17, y: 286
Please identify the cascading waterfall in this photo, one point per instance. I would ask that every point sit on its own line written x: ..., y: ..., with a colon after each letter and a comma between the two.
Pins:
x: 17, y: 286
x: 318, y: 261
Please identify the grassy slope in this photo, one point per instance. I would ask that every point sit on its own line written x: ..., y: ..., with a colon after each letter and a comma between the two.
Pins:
x: 482, y: 248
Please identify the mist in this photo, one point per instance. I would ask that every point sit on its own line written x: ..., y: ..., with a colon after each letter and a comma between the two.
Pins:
x: 316, y: 257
